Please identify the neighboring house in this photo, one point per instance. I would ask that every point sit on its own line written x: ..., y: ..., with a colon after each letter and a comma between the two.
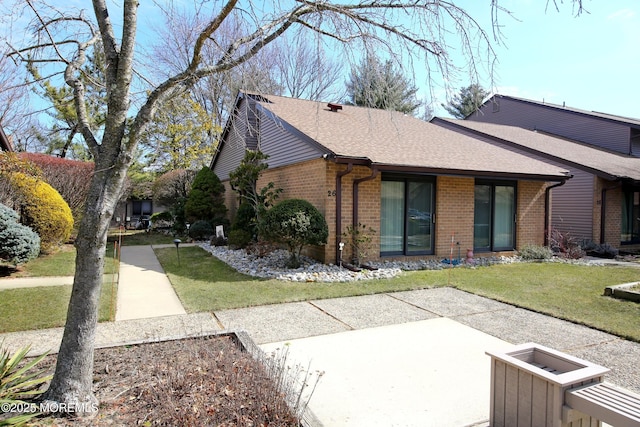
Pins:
x: 427, y: 190
x: 135, y: 213
x: 602, y: 151
x: 5, y: 142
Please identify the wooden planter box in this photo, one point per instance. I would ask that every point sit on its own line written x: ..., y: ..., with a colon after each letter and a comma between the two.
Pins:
x: 623, y: 291
x: 528, y: 385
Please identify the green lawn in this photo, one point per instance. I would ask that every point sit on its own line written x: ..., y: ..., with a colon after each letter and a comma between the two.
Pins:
x: 61, y: 263
x: 45, y: 307
x: 566, y: 291
x: 205, y: 283
x: 570, y: 292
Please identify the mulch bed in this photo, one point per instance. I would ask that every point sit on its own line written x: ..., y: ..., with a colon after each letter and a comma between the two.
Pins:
x: 206, y: 381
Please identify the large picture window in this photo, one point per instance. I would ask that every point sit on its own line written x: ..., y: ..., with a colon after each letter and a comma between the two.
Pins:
x: 631, y: 216
x: 141, y: 207
x: 494, y: 216
x: 406, y: 217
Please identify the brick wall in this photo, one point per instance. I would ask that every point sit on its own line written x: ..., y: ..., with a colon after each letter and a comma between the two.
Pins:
x: 454, y: 214
x: 613, y: 214
x: 230, y: 200
x: 530, y: 215
x: 308, y: 181
x: 315, y: 181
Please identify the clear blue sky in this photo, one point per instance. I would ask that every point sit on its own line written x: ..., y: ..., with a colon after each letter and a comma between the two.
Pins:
x: 591, y: 62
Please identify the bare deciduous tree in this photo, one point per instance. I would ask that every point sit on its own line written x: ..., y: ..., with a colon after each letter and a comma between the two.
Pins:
x: 418, y: 28
x: 305, y: 70
x: 14, y: 97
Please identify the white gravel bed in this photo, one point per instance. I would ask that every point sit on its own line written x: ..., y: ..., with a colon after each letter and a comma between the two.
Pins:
x: 273, y: 265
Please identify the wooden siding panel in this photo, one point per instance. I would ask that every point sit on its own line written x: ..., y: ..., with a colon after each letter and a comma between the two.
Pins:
x: 283, y: 147
x: 572, y: 205
x: 592, y: 130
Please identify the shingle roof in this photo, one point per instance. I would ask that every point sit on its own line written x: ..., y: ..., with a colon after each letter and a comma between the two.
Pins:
x: 581, y: 155
x: 395, y: 139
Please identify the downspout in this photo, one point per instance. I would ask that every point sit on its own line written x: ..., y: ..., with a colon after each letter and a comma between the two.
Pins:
x: 547, y: 211
x: 603, y: 210
x: 354, y: 218
x: 339, y: 176
x: 356, y: 182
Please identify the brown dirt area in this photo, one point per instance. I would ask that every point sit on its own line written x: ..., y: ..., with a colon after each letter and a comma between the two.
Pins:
x: 206, y: 381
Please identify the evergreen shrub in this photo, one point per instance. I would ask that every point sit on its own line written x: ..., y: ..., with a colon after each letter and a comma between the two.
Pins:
x: 20, y: 243
x: 200, y: 230
x: 206, y: 198
x: 239, y: 238
x: 295, y: 223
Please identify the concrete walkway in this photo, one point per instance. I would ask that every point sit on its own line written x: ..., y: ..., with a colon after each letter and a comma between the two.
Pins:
x: 34, y: 282
x: 144, y: 291
x: 412, y: 358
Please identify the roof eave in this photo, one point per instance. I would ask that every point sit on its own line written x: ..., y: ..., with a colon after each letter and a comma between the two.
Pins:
x: 466, y: 173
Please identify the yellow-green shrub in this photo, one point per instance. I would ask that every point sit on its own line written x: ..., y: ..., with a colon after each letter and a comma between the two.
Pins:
x: 43, y: 209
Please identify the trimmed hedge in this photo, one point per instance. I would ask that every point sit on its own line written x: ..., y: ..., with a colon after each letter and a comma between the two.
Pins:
x: 20, y: 243
x: 43, y: 209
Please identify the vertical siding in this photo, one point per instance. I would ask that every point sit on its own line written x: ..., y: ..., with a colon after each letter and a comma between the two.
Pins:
x: 592, y: 130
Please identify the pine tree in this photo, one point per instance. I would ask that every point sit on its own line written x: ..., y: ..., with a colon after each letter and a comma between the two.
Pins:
x: 466, y: 102
x: 206, y: 198
x: 377, y: 84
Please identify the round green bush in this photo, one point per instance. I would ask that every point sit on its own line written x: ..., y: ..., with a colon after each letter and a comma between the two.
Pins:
x: 200, y: 230
x: 20, y: 243
x: 295, y: 223
x: 44, y: 210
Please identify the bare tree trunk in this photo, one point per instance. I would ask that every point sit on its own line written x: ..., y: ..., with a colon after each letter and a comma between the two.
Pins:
x: 71, y: 387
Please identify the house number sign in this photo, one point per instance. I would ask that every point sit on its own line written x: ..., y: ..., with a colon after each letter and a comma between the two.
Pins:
x: 331, y: 193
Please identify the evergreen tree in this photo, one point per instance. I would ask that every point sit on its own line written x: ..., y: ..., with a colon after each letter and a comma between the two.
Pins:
x: 377, y: 84
x: 466, y: 102
x: 206, y: 198
x: 61, y: 138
